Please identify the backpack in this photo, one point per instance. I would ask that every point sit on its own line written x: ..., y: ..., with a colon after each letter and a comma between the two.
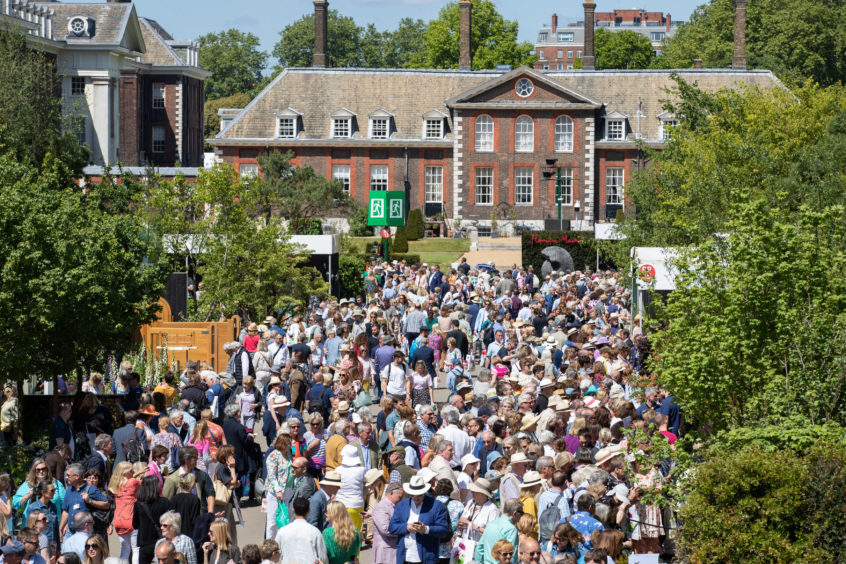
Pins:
x: 319, y: 404
x: 549, y: 519
x: 488, y: 333
x: 134, y: 449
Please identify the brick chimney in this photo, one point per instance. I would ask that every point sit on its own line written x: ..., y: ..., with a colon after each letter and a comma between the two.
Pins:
x: 321, y: 35
x: 669, y: 21
x: 588, y: 58
x: 554, y: 24
x: 465, y: 56
x: 738, y: 61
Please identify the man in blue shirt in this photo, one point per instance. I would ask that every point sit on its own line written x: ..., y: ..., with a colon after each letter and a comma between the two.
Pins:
x: 583, y: 521
x: 84, y: 525
x: 80, y: 496
x: 333, y: 347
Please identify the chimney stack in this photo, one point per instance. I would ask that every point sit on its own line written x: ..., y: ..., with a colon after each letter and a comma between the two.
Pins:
x: 465, y: 57
x: 588, y: 59
x: 321, y: 36
x: 738, y: 61
x: 554, y: 24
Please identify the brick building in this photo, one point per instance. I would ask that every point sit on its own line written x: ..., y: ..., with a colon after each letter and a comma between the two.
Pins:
x: 466, y: 142
x: 137, y: 92
x: 558, y: 46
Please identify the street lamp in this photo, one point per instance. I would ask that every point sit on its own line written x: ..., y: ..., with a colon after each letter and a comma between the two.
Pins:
x: 576, y: 207
x: 555, y: 171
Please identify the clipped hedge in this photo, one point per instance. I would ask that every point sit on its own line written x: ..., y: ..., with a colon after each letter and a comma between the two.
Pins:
x: 400, y: 242
x: 580, y: 244
x: 414, y: 225
x: 350, y: 268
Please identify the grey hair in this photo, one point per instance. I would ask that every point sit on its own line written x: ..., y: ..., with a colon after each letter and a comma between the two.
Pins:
x: 512, y: 506
x: 443, y: 445
x: 545, y: 437
x: 77, y: 469
x: 363, y: 426
x: 524, y: 397
x: 543, y: 463
x: 232, y: 410
x: 171, y: 518
x: 81, y: 519
x: 422, y: 408
x: 340, y: 424
x: 488, y: 434
x: 478, y: 400
x: 410, y: 430
x: 292, y: 420
x: 364, y: 413
x: 177, y: 412
x: 449, y: 413
x: 392, y: 487
x: 102, y: 441
x: 231, y: 346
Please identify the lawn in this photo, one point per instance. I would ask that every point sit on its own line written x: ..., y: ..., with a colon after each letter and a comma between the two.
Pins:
x: 436, y: 250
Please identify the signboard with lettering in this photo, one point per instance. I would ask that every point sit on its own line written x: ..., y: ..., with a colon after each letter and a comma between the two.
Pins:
x: 386, y: 208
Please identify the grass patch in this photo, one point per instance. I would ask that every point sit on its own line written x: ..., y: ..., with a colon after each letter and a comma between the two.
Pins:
x: 436, y: 250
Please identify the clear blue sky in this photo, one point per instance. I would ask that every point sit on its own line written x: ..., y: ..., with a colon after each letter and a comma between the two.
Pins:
x: 188, y: 19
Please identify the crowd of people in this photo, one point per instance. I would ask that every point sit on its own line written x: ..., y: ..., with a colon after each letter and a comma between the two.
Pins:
x: 469, y: 416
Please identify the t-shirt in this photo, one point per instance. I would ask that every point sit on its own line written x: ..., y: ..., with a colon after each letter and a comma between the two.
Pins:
x: 421, y: 381
x: 73, y: 502
x: 395, y: 376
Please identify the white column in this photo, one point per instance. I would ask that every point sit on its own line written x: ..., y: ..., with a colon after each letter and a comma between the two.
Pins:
x: 457, y: 170
x: 588, y: 176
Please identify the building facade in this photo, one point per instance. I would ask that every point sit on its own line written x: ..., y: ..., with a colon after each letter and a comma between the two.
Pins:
x: 136, y: 92
x: 559, y: 46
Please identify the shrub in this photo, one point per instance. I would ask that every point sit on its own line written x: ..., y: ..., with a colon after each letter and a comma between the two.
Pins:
x: 409, y: 258
x: 621, y: 216
x: 400, y: 242
x: 414, y: 226
x: 350, y: 269
x: 358, y: 223
x: 310, y: 226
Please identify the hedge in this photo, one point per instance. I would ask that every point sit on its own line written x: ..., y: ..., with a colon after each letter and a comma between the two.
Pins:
x: 400, y: 242
x: 580, y: 245
x: 350, y: 269
x: 414, y: 226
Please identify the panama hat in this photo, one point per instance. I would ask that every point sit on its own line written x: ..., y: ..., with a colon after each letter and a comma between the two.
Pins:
x: 603, y: 455
x: 531, y: 478
x: 481, y: 486
x: 371, y: 476
x: 519, y: 458
x: 529, y: 421
x: 416, y: 486
x: 332, y: 478
x: 148, y: 409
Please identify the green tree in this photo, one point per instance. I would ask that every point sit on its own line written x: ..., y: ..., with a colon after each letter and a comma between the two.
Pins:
x: 298, y: 194
x: 212, y: 120
x: 236, y: 61
x: 400, y: 243
x: 358, y: 222
x: 821, y: 54
x: 622, y: 49
x: 414, y: 225
x: 73, y: 275
x: 295, y: 47
x: 404, y: 44
x: 493, y: 40
x: 32, y: 121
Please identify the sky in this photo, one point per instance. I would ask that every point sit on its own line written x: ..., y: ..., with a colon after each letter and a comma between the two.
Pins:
x: 189, y: 19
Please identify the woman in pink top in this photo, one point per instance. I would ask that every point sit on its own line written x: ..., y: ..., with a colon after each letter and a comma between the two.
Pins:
x: 200, y: 440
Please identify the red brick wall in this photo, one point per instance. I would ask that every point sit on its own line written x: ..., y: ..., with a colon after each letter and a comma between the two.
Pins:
x: 131, y: 121
x: 608, y: 158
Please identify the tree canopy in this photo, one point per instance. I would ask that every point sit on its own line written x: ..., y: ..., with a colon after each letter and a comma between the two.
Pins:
x: 796, y: 38
x: 236, y: 61
x: 622, y: 49
x: 212, y: 120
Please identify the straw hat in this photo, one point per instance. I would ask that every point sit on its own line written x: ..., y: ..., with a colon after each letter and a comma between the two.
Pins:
x: 531, y: 478
x: 416, y: 486
x: 482, y: 486
x: 519, y: 458
x: 148, y: 409
x: 529, y: 421
x: 371, y: 476
x: 332, y: 478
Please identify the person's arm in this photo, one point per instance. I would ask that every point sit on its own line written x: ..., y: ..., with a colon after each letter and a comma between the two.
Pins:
x: 190, y: 554
x: 21, y: 497
x: 63, y: 525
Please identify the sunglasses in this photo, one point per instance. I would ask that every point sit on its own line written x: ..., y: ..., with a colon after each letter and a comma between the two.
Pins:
x: 90, y: 546
x: 41, y: 469
x: 507, y: 553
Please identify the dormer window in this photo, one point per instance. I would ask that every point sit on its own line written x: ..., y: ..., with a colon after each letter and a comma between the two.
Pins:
x: 433, y: 125
x: 615, y: 126
x: 288, y: 123
x: 380, y: 125
x: 668, y: 121
x: 342, y: 124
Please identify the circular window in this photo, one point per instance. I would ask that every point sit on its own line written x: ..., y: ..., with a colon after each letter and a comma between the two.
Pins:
x: 524, y: 87
x: 77, y: 26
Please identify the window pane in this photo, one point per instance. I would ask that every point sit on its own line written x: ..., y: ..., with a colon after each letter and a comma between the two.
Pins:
x: 563, y: 134
x: 158, y: 139
x: 378, y: 177
x: 286, y: 128
x: 379, y: 128
x: 342, y: 173
x: 616, y: 129
x: 484, y: 134
x: 158, y: 95
x: 77, y: 85
x: 523, y: 182
x: 434, y: 184
x: 484, y: 185
x: 248, y: 170
x: 565, y: 192
x: 524, y: 139
x: 434, y: 128
x: 614, y: 182
x: 341, y: 127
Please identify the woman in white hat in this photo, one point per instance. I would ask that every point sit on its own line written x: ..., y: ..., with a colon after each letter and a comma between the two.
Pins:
x: 374, y: 486
x: 479, y: 510
x: 352, y: 477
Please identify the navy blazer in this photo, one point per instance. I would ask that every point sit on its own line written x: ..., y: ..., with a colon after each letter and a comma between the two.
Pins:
x: 426, y: 355
x: 434, y: 514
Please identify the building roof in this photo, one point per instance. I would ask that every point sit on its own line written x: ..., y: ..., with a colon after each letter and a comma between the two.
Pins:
x: 158, y: 52
x: 318, y: 94
x: 114, y: 24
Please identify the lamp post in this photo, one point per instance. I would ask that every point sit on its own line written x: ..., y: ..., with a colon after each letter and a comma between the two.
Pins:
x: 548, y: 174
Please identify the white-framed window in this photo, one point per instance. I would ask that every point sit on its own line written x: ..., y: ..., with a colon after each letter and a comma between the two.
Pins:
x: 542, y: 36
x: 287, y: 127
x: 563, y: 134
x: 569, y: 67
x: 379, y: 128
x: 433, y: 128
x: 560, y: 53
x: 342, y: 173
x: 524, y: 135
x: 666, y: 126
x: 560, y: 66
x: 248, y: 170
x: 569, y: 53
x: 158, y: 139
x: 566, y: 189
x: 342, y: 127
x: 656, y: 36
x: 378, y: 177
x: 614, y: 183
x: 565, y: 36
x: 77, y: 85
x: 434, y: 184
x: 484, y: 186
x: 541, y: 54
x: 546, y: 67
x: 484, y: 134
x: 524, y: 87
x: 158, y: 96
x: 524, y: 179
x: 615, y: 129
x: 579, y: 54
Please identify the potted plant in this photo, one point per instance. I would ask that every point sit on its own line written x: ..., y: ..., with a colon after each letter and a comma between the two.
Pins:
x: 494, y: 225
x: 456, y: 227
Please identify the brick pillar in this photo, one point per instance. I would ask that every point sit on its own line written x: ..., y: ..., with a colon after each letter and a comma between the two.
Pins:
x: 465, y: 57
x: 588, y: 58
x: 554, y: 24
x: 738, y: 61
x: 321, y: 36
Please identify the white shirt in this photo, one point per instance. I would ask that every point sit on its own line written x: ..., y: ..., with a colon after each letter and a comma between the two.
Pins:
x: 350, y: 493
x: 396, y: 377
x: 300, y: 541
x: 461, y: 441
x: 411, y: 553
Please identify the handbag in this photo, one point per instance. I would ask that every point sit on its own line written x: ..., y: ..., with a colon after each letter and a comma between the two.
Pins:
x: 222, y: 493
x: 462, y: 551
x: 282, y: 515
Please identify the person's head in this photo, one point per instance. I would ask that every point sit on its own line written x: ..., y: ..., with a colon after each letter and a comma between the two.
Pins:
x: 393, y: 492
x: 299, y: 466
x: 232, y: 411
x: 596, y: 556
x: 611, y: 541
x: 38, y: 471
x: 502, y: 551
x: 446, y: 450
x: 301, y: 506
x: 104, y: 444
x: 37, y: 521
x: 166, y: 552
x: 365, y: 431
x: 186, y: 482
x: 345, y: 533
x: 95, y: 477
x: 82, y: 521
x: 219, y: 534
x: 171, y: 524
x: 188, y: 458
x: 513, y: 509
x: 96, y: 549
x: 69, y: 558
x: 530, y: 551
x: 269, y: 550
x: 149, y: 490
x: 160, y: 454
x: 586, y: 503
x: 74, y: 475
x: 29, y: 537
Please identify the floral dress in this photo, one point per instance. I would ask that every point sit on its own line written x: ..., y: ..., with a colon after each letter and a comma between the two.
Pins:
x: 455, y: 509
x: 169, y: 441
x: 435, y: 342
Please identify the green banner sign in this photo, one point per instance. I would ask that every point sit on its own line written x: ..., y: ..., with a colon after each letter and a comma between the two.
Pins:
x: 386, y: 208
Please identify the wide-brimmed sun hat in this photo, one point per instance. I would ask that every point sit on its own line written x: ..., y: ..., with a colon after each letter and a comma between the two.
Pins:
x: 416, y: 486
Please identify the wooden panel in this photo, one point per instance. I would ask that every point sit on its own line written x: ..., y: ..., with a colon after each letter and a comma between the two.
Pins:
x: 195, y: 341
